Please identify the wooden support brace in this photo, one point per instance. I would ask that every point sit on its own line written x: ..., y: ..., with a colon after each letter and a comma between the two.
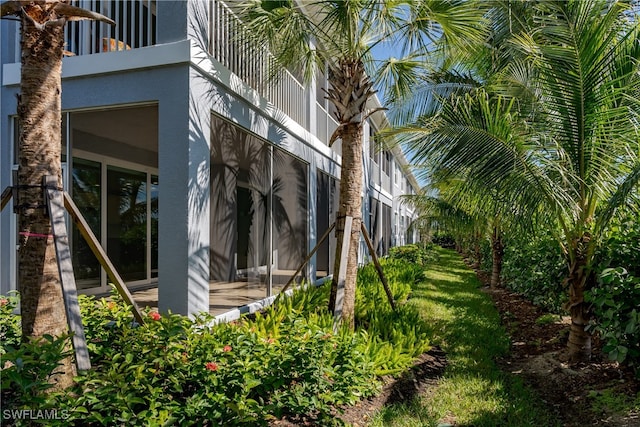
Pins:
x: 376, y: 262
x: 6, y: 196
x: 101, y: 255
x: 342, y: 274
x: 55, y: 206
x: 311, y: 254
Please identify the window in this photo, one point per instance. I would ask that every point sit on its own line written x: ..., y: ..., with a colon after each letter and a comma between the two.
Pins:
x: 386, y: 162
x: 114, y: 182
x: 327, y: 196
x: 87, y: 194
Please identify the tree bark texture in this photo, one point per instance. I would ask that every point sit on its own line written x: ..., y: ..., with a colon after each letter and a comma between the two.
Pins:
x: 350, y: 89
x: 477, y: 252
x: 579, y: 344
x: 39, y: 113
x: 350, y: 205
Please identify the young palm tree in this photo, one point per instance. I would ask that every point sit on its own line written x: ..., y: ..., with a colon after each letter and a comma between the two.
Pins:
x: 586, y: 66
x: 39, y: 114
x: 482, y: 202
x: 576, y: 80
x: 338, y: 36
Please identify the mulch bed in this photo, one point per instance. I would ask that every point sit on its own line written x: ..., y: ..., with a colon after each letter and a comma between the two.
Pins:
x: 538, y: 355
x: 420, y: 380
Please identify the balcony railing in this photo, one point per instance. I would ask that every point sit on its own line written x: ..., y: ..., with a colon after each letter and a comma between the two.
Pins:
x: 227, y: 41
x: 231, y: 44
x: 325, y: 125
x: 386, y: 181
x: 135, y: 27
x: 375, y: 172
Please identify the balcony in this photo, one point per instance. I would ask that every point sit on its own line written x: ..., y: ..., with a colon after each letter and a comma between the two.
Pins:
x: 230, y: 44
x: 136, y: 27
x: 227, y: 41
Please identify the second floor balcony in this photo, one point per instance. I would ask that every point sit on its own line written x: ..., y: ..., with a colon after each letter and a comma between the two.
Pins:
x: 216, y: 30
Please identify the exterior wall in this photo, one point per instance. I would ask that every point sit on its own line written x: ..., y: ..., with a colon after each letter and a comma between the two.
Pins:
x: 188, y: 86
x: 7, y: 107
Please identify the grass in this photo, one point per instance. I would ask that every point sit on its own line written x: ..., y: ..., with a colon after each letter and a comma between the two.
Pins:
x: 473, y: 390
x: 608, y: 401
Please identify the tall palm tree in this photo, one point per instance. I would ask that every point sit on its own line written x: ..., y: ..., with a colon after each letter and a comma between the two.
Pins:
x: 39, y: 115
x: 576, y: 82
x: 337, y: 36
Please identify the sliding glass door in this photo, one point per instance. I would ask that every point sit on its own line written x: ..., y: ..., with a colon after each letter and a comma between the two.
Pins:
x: 87, y: 194
x: 259, y: 216
x: 121, y: 207
x: 127, y: 222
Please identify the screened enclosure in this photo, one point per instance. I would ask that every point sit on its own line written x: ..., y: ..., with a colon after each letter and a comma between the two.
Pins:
x: 259, y: 212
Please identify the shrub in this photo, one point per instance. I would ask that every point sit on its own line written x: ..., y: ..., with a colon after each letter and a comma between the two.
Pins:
x: 622, y: 245
x: 616, y: 298
x: 173, y: 370
x: 444, y: 240
x: 615, y: 305
x: 413, y: 254
x: 395, y: 338
x: 370, y: 294
x: 535, y: 268
x: 10, y: 331
x: 27, y: 369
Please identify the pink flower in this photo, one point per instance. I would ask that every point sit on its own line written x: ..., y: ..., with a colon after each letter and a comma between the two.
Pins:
x: 270, y: 340
x: 111, y: 305
x: 154, y: 315
x: 4, y: 301
x: 226, y: 348
x: 211, y: 366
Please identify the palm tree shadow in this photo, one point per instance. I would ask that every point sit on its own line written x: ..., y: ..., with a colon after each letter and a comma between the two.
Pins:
x: 247, y: 182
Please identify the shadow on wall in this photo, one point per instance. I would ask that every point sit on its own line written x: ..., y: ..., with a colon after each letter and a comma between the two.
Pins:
x: 259, y: 205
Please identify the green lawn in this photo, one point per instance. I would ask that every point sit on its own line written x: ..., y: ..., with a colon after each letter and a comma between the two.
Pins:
x: 473, y: 390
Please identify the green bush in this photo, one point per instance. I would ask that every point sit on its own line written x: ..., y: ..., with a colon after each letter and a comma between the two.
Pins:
x: 413, y: 254
x: 536, y: 268
x: 370, y: 294
x: 616, y: 298
x: 10, y: 331
x: 27, y: 368
x: 616, y: 303
x: 444, y: 240
x: 395, y: 338
x: 622, y: 245
x: 172, y: 370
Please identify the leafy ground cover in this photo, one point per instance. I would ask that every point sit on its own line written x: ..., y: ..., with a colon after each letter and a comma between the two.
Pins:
x: 288, y: 362
x: 456, y: 353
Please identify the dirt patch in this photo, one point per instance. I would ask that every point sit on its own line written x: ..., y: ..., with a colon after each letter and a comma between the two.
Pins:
x: 538, y: 355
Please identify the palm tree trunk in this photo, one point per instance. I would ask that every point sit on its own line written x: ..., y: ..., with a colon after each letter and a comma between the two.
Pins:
x: 350, y: 205
x: 476, y: 250
x: 39, y: 112
x: 497, y: 252
x: 579, y: 344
